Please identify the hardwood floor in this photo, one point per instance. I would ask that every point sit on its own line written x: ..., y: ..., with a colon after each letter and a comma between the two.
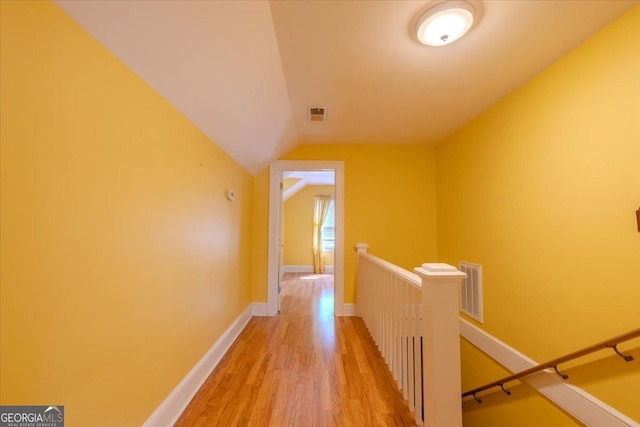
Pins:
x: 304, y: 367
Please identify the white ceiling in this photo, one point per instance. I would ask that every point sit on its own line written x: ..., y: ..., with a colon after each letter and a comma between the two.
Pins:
x: 320, y: 177
x: 245, y: 72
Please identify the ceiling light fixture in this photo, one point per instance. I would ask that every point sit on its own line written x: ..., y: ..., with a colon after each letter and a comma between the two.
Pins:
x: 445, y: 23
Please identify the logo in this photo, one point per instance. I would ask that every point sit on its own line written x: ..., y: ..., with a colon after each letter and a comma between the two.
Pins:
x: 32, y: 416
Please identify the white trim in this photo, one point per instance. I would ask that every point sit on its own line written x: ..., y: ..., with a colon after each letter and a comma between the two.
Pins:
x: 291, y: 191
x: 259, y: 309
x: 580, y: 404
x: 275, y: 207
x: 304, y: 269
x: 297, y: 269
x: 173, y: 406
x: 349, y: 309
x: 406, y: 276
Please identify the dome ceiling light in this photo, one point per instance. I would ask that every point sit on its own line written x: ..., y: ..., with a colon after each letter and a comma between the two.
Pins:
x: 445, y: 22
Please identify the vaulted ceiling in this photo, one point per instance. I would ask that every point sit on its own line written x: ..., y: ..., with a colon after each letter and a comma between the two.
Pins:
x: 245, y: 72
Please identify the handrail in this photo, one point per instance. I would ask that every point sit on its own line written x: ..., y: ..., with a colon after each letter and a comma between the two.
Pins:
x: 411, y: 278
x: 611, y: 343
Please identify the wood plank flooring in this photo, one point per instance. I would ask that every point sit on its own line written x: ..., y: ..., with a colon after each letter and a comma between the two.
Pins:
x: 304, y: 367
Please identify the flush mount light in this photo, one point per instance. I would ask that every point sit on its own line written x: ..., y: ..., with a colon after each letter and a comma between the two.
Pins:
x: 445, y: 23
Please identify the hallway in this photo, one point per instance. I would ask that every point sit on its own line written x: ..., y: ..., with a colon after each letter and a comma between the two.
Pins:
x: 304, y: 367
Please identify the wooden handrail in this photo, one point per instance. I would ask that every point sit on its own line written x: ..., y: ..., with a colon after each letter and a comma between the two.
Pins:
x: 610, y: 343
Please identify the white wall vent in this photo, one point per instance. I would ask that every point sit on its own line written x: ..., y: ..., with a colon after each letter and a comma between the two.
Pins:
x: 317, y: 114
x: 471, y: 291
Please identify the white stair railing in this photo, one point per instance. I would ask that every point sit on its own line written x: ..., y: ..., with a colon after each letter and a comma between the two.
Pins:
x: 413, y: 319
x: 389, y: 302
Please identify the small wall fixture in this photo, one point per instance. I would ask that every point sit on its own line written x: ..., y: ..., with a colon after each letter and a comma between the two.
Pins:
x: 638, y: 219
x: 445, y: 22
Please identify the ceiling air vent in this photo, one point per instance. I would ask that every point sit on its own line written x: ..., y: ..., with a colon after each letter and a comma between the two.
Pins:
x: 317, y: 114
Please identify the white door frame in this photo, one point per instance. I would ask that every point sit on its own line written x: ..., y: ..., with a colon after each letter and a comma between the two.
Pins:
x: 275, y: 195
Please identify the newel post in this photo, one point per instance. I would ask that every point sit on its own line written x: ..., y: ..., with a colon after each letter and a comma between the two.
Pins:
x: 362, y: 248
x: 441, y: 344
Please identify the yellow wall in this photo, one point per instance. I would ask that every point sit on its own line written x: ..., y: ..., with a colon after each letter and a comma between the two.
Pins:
x: 260, y: 241
x: 542, y: 191
x: 122, y: 261
x: 382, y: 184
x: 288, y: 182
x: 298, y: 226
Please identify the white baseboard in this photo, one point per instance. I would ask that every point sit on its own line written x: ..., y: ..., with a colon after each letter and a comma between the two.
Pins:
x: 349, y: 309
x: 577, y: 402
x: 259, y: 309
x: 173, y: 406
x: 304, y: 269
x: 297, y: 269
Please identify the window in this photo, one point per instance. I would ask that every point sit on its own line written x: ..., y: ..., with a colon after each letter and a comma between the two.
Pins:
x: 329, y: 229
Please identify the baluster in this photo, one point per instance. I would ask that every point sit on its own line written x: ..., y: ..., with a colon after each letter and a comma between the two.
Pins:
x: 417, y: 314
x: 387, y: 289
x: 362, y: 287
x: 392, y: 325
x: 375, y: 304
x: 379, y: 301
x: 384, y: 307
x: 369, y: 297
x: 405, y: 342
x: 411, y: 354
x: 398, y: 333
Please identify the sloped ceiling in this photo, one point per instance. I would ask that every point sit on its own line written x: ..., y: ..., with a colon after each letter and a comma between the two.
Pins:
x: 245, y: 72
x: 216, y: 61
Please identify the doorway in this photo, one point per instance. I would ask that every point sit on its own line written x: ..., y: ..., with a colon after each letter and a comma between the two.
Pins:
x: 276, y: 209
x: 308, y: 233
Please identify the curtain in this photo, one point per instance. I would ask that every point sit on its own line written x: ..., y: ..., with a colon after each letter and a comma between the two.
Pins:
x: 321, y: 204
